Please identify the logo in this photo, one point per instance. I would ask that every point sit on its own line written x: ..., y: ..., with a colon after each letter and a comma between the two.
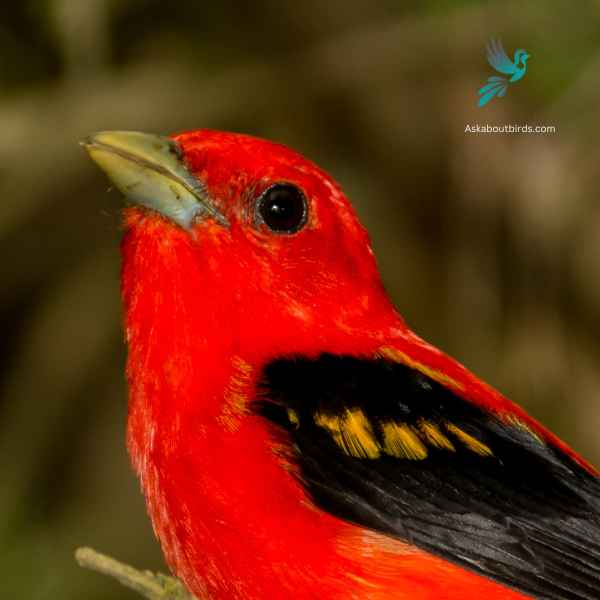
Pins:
x: 496, y: 86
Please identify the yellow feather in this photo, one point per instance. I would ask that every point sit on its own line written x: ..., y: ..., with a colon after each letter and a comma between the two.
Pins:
x: 469, y: 441
x: 402, y: 441
x: 516, y: 422
x: 352, y: 432
x: 434, y: 436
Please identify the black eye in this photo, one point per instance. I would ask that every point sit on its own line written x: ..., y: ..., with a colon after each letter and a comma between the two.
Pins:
x: 282, y: 208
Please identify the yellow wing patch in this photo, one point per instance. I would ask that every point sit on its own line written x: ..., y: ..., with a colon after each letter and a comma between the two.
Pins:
x: 352, y: 432
x: 402, y: 358
x: 403, y: 441
x: 293, y: 418
x: 469, y: 441
x: 355, y: 435
x: 434, y: 436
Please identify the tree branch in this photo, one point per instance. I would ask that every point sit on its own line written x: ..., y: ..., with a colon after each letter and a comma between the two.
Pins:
x: 153, y: 586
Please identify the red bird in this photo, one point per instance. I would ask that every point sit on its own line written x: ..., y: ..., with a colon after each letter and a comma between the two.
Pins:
x: 294, y: 439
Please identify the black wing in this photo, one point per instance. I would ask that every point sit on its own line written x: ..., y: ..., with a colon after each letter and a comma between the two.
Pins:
x: 382, y: 445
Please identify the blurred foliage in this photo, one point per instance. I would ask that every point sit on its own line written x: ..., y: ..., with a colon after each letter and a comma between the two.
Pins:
x: 490, y: 245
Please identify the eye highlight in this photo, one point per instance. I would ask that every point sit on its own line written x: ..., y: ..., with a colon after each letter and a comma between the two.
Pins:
x: 282, y: 208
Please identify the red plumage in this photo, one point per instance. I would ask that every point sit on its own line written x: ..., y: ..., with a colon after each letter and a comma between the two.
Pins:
x: 205, y: 309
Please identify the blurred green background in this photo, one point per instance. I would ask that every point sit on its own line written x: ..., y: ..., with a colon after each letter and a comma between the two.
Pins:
x: 490, y: 245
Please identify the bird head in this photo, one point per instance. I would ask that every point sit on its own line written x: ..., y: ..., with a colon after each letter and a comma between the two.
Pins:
x: 244, y: 238
x: 521, y: 56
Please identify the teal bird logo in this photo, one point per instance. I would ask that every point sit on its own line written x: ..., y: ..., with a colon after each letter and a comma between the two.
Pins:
x: 496, y: 86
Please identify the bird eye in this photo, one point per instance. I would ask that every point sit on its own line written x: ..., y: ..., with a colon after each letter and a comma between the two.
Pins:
x: 282, y: 208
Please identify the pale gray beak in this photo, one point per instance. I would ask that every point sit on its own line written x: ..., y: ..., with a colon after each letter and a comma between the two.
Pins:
x: 149, y: 170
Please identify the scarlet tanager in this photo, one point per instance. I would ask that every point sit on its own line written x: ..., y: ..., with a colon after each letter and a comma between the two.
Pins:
x: 293, y: 437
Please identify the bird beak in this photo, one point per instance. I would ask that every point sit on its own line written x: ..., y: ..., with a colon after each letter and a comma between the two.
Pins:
x: 150, y: 171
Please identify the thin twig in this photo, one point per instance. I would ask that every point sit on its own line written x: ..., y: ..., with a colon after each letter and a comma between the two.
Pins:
x: 153, y: 586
